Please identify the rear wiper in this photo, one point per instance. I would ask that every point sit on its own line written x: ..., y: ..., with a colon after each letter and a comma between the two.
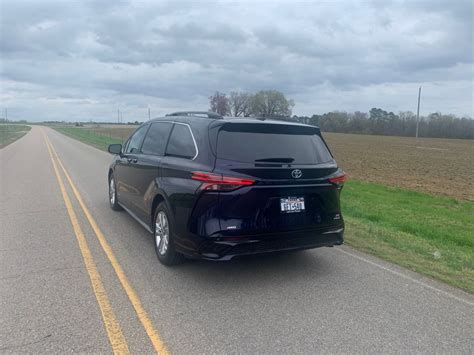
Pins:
x: 275, y: 160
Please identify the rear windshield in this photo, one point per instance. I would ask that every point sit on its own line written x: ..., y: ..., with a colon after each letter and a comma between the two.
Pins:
x: 271, y: 143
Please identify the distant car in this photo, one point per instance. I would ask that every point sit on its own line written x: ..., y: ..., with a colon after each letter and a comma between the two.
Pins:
x: 215, y: 188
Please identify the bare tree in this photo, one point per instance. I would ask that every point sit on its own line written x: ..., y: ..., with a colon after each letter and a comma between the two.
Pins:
x: 239, y: 103
x: 268, y: 103
x: 219, y: 103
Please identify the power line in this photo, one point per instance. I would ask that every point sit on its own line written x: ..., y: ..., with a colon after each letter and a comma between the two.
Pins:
x: 418, y: 112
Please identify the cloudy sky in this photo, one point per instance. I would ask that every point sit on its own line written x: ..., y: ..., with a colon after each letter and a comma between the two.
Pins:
x: 81, y: 60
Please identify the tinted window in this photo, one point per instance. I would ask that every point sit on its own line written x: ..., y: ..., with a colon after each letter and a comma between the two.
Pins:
x: 136, y: 140
x: 271, y: 143
x: 181, y: 143
x: 156, y: 138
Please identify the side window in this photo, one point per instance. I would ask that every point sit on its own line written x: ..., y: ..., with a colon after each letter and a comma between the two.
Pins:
x: 136, y: 140
x: 181, y: 143
x: 156, y: 138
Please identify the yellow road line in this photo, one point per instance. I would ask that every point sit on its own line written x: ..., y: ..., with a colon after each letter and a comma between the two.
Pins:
x: 112, y: 326
x: 158, y: 344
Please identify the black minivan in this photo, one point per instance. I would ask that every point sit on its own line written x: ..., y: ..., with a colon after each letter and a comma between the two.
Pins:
x: 214, y: 188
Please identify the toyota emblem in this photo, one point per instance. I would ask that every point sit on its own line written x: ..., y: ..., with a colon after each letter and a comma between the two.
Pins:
x: 297, y: 173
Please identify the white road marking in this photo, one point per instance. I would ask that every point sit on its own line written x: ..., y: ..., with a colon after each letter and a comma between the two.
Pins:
x: 406, y: 277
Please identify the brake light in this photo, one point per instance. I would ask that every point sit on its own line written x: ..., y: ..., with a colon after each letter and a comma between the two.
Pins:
x: 340, y: 178
x: 219, y: 182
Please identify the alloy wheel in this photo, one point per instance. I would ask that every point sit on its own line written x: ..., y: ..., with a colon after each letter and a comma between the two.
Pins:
x: 112, y: 191
x: 162, y: 233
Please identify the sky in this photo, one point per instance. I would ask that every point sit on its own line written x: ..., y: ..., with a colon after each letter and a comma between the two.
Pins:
x: 84, y: 60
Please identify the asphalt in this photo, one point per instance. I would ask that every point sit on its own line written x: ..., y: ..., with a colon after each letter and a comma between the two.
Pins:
x: 331, y: 300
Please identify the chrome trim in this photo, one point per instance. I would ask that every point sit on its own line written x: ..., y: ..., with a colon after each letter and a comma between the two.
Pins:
x: 192, y: 135
x: 136, y: 218
x: 296, y: 173
x: 190, y: 130
x: 334, y: 231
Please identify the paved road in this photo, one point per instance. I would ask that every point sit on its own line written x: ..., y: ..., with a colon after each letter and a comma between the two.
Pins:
x: 324, y: 300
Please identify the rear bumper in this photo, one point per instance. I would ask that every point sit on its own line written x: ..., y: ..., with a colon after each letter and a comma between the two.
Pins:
x: 223, y: 248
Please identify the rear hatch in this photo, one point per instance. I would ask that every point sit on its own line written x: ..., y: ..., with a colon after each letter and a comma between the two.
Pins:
x: 291, y: 166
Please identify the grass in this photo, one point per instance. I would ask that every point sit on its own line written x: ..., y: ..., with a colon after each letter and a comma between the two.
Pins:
x: 11, y: 132
x: 90, y: 137
x: 429, y: 234
x: 432, y: 235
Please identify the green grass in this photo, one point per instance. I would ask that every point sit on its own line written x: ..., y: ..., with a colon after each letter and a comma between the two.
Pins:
x: 428, y: 234
x: 88, y: 136
x: 11, y: 132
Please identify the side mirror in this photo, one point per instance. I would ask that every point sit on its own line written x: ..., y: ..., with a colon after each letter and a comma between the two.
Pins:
x: 115, y: 148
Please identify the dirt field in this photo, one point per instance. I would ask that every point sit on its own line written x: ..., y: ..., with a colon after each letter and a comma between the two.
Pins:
x: 437, y: 166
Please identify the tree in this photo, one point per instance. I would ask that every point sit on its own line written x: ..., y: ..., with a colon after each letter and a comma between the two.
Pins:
x: 358, y: 122
x: 268, y: 103
x: 314, y: 120
x: 239, y: 103
x: 382, y: 122
x: 219, y: 103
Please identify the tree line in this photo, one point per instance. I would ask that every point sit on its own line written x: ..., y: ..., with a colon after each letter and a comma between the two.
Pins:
x: 381, y: 122
x: 272, y: 103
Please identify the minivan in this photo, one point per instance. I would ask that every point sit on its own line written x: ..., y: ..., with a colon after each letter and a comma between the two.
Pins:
x: 215, y: 188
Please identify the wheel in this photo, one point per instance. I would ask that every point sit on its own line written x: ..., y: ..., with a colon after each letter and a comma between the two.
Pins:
x: 113, y: 199
x: 163, y: 231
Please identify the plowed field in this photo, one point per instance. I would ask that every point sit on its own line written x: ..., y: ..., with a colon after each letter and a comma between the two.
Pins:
x: 437, y: 166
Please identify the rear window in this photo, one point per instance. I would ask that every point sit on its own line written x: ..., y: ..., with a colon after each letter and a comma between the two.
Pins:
x: 271, y: 143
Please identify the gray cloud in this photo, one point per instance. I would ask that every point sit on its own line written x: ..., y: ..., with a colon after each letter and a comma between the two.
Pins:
x: 83, y: 60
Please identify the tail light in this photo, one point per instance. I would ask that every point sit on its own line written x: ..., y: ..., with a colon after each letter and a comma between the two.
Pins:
x: 340, y: 178
x: 218, y: 182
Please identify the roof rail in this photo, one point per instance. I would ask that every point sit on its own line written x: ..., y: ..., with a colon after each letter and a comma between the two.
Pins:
x: 197, y: 114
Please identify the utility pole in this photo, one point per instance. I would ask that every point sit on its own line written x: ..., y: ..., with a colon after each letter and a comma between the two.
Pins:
x: 418, y: 112
x: 6, y: 114
x: 149, y: 116
x: 118, y: 115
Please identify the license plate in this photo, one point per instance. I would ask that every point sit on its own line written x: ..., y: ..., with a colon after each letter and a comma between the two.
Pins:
x: 292, y: 204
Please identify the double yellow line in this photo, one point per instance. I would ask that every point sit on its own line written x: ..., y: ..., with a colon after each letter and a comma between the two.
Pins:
x: 112, y: 325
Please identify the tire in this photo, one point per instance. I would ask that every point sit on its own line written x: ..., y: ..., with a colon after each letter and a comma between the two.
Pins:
x: 113, y: 198
x: 163, y: 234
